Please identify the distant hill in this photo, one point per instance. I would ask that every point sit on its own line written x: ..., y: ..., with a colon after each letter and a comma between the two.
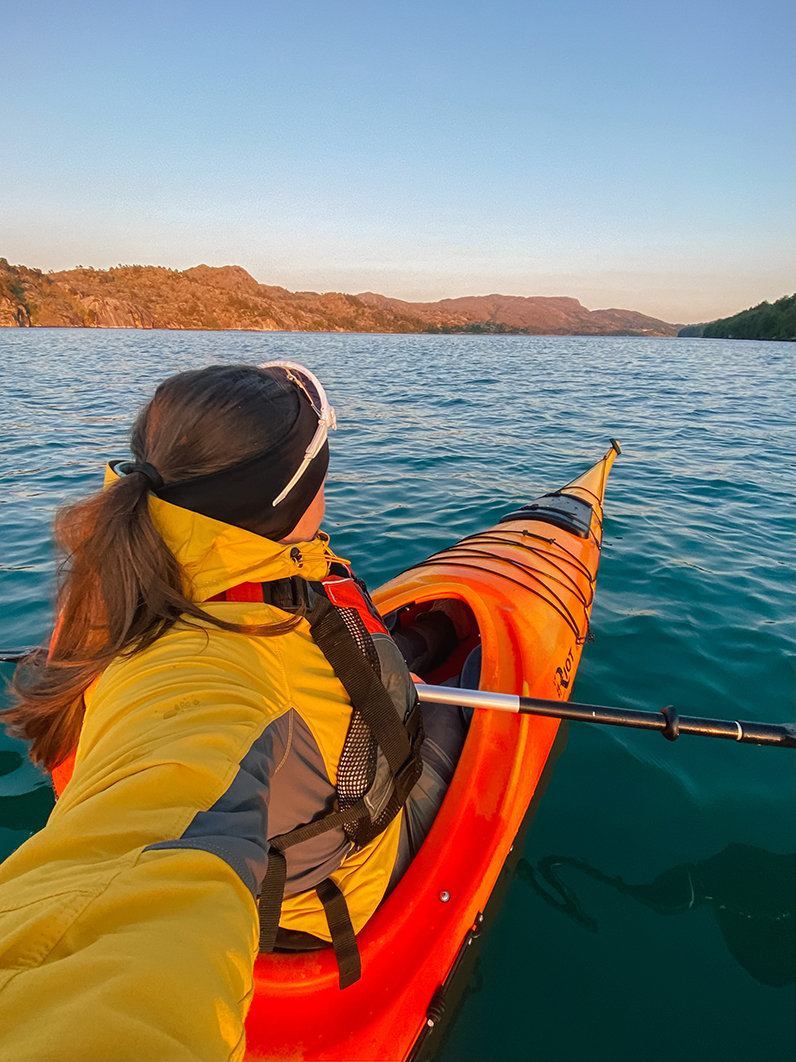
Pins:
x: 227, y: 297
x: 535, y: 315
x: 764, y: 321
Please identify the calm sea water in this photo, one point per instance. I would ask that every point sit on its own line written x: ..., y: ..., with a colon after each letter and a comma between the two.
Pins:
x: 651, y: 914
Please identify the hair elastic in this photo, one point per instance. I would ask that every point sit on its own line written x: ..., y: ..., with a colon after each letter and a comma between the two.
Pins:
x: 144, y: 467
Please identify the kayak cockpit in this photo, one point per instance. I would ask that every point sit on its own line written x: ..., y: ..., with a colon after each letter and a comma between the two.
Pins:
x: 446, y: 628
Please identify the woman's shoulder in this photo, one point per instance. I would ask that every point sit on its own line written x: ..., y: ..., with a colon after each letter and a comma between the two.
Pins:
x: 196, y: 662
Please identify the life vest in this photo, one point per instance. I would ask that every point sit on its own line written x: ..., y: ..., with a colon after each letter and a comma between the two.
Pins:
x: 380, y: 762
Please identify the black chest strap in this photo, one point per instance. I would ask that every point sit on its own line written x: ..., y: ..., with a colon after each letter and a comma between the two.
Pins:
x: 269, y: 904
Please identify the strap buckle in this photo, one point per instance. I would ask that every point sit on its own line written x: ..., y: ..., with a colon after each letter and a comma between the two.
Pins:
x: 290, y: 594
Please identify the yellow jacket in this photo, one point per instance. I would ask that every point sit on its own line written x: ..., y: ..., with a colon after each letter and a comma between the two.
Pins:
x: 113, y: 949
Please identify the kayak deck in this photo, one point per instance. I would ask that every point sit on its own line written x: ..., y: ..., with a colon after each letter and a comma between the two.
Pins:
x: 529, y: 583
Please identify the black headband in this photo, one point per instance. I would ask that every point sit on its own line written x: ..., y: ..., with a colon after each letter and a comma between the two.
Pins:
x: 243, y: 493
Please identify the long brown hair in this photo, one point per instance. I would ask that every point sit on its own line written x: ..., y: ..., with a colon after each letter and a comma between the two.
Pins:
x: 120, y: 587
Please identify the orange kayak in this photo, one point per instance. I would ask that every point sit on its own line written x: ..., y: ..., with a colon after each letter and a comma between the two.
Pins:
x: 528, y: 583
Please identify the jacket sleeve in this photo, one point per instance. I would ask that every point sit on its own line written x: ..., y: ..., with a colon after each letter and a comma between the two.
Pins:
x: 121, y: 937
x: 154, y: 964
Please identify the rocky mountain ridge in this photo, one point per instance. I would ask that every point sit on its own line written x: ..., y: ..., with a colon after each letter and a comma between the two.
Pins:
x: 227, y: 297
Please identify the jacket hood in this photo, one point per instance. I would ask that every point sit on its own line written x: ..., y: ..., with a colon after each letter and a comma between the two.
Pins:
x: 215, y: 556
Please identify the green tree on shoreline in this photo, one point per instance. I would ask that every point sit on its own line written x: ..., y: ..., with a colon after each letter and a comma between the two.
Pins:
x: 775, y: 321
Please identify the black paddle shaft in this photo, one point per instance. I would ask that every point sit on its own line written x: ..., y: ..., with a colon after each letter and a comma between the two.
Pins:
x: 667, y: 721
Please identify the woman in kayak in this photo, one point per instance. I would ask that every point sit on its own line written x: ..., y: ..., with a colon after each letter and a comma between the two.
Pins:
x: 248, y: 733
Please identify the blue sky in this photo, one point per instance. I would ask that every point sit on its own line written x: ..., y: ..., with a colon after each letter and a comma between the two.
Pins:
x: 628, y: 154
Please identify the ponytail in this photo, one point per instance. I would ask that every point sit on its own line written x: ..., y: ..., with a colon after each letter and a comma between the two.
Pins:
x: 120, y: 587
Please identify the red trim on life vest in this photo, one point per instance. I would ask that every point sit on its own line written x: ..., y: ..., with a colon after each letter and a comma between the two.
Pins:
x: 62, y: 774
x: 241, y: 592
x: 344, y: 593
x: 59, y: 622
x: 245, y: 592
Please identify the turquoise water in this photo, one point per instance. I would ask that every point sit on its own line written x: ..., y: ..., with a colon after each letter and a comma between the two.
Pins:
x: 651, y: 914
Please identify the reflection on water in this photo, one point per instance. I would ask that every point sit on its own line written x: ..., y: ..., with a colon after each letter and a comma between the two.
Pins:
x: 752, y: 893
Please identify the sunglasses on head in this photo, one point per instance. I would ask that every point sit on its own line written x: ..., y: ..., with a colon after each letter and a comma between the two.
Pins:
x: 316, y: 396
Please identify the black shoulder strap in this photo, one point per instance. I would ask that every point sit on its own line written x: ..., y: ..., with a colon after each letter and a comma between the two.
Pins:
x: 365, y: 689
x: 400, y: 743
